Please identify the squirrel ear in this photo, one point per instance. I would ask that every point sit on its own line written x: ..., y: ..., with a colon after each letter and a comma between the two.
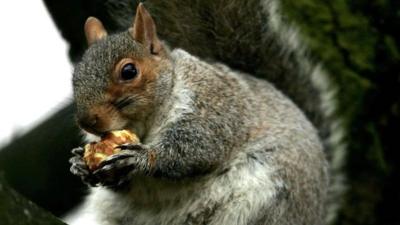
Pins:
x: 144, y: 31
x: 94, y: 30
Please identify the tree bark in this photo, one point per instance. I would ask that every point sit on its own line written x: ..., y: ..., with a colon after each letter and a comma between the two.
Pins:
x: 17, y: 210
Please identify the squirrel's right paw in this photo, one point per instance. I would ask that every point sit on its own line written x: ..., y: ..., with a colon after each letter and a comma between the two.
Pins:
x: 80, y: 169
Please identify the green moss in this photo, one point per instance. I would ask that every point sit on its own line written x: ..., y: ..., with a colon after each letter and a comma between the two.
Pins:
x: 358, y: 51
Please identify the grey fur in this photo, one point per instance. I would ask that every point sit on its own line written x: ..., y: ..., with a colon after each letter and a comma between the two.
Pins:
x: 254, y: 37
x: 216, y: 131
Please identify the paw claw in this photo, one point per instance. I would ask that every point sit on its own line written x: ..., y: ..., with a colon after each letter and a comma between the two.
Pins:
x: 77, y: 160
x: 116, y: 170
x: 78, y: 151
x: 113, y: 158
x: 80, y: 169
x: 112, y: 176
x: 133, y: 147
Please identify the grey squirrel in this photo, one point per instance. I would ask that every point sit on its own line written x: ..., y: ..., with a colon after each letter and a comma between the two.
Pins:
x: 225, y: 147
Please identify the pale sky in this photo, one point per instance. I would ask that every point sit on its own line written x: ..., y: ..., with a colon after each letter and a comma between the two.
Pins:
x: 35, y: 72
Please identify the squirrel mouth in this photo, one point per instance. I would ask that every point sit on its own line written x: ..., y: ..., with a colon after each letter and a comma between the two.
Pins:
x: 95, y: 132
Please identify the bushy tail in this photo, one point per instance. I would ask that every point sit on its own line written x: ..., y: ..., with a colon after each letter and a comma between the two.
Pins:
x: 253, y: 37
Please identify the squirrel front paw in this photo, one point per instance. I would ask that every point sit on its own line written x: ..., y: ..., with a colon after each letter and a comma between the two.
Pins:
x: 79, y: 167
x: 118, y: 169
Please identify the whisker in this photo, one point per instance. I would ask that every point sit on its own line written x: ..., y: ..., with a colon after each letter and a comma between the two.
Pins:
x: 122, y: 103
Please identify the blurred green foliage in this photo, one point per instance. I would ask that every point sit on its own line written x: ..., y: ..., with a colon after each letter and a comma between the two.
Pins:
x: 358, y: 44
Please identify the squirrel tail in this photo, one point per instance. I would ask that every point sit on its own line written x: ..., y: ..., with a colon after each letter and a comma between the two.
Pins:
x: 253, y: 36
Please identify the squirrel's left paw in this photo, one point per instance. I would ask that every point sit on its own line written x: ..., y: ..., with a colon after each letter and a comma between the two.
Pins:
x: 119, y: 168
x: 79, y: 167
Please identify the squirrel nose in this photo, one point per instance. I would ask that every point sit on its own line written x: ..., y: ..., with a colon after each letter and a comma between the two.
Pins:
x: 88, y: 123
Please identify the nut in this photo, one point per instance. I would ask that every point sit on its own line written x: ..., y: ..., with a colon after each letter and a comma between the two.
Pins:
x: 96, y: 152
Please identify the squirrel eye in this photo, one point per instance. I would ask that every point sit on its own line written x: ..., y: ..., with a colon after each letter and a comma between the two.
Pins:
x: 128, y: 72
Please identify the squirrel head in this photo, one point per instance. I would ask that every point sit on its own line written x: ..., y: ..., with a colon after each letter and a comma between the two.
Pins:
x: 122, y: 77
